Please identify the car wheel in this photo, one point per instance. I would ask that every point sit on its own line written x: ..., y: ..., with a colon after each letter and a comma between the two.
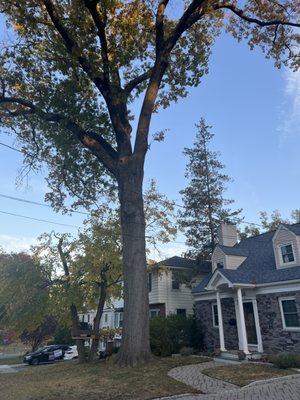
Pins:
x: 35, y: 361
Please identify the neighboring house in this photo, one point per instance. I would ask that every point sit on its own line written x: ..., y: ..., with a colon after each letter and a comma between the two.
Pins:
x: 166, y: 294
x: 251, y: 300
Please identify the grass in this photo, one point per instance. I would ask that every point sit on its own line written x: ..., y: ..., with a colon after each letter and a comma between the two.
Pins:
x: 11, y: 360
x: 96, y: 381
x: 243, y: 374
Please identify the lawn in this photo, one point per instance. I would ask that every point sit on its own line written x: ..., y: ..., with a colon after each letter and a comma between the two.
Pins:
x: 97, y: 381
x: 243, y: 374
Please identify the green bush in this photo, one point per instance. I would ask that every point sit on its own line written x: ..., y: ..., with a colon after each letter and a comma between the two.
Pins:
x: 286, y: 360
x: 169, y: 335
x: 62, y: 335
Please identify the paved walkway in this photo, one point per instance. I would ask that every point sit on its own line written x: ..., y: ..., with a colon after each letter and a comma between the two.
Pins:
x: 284, y: 388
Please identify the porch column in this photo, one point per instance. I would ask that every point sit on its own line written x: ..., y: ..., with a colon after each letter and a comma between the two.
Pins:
x: 242, y: 321
x: 258, y: 332
x: 220, y: 321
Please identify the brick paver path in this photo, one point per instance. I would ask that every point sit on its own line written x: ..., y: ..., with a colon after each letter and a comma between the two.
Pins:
x: 284, y: 388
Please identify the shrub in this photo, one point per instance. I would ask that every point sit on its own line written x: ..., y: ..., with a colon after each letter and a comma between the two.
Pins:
x: 186, y: 351
x: 168, y: 335
x: 286, y: 360
x: 62, y: 335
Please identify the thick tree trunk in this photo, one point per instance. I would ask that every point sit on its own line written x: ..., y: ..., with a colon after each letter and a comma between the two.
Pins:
x: 135, y: 346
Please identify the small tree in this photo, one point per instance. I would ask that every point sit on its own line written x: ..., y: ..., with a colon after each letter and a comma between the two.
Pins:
x: 203, y: 198
x: 42, y: 333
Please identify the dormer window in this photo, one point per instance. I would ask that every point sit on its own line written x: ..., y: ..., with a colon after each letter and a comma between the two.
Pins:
x: 287, y: 254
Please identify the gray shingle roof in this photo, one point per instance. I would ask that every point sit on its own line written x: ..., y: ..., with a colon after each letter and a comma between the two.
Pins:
x: 182, y: 262
x: 234, y: 251
x: 259, y: 266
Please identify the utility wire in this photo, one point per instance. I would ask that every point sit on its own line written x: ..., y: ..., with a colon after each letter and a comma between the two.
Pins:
x: 35, y: 203
x: 39, y: 220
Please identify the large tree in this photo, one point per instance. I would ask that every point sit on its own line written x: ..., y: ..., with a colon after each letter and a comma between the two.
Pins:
x: 205, y: 204
x: 72, y: 71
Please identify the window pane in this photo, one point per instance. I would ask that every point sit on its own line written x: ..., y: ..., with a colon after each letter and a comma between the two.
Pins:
x: 287, y: 253
x: 215, y: 316
x: 289, y: 306
x: 291, y: 320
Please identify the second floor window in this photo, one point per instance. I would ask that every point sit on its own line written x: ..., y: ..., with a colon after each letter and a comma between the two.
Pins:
x: 175, y: 281
x: 287, y: 254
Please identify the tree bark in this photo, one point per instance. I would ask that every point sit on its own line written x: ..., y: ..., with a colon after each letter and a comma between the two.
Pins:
x: 97, y: 319
x: 135, y: 348
x: 76, y: 328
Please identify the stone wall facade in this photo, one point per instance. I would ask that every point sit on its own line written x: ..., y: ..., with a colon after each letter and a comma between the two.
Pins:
x: 274, y: 337
x: 204, y: 315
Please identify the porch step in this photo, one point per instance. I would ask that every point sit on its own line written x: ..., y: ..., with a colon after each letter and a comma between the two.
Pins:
x: 230, y: 355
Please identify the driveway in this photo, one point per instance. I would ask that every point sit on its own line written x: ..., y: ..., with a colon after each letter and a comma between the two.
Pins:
x: 283, y: 388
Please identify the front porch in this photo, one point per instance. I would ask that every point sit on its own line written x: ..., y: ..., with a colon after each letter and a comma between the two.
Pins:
x: 243, y: 315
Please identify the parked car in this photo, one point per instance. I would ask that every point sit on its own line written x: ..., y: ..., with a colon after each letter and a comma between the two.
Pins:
x: 46, y: 354
x: 71, y: 353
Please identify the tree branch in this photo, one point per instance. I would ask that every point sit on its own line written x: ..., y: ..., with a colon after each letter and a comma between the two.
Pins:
x: 131, y: 85
x: 73, y: 47
x: 159, y: 25
x: 91, y: 140
x: 240, y: 13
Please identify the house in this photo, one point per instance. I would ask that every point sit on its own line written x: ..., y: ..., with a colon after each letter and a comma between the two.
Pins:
x: 167, y: 295
x: 251, y: 300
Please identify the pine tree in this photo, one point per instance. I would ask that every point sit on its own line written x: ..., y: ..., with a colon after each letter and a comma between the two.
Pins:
x: 203, y: 198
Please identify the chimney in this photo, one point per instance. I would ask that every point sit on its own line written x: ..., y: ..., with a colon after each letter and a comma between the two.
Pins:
x: 227, y: 234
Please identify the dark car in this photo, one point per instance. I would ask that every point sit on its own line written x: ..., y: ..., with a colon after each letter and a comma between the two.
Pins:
x: 46, y: 354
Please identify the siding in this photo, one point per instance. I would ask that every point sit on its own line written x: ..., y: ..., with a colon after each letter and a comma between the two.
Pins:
x: 284, y: 236
x: 218, y: 257
x: 233, y: 262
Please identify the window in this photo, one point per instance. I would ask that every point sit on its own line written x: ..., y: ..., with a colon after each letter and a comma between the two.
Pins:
x: 220, y: 265
x: 175, y: 281
x: 118, y: 320
x: 289, y: 313
x: 154, y: 313
x: 105, y: 317
x: 88, y: 318
x: 149, y: 281
x: 181, y: 311
x: 215, y: 316
x: 287, y: 254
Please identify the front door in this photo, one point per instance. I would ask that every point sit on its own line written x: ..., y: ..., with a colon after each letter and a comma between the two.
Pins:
x: 250, y: 323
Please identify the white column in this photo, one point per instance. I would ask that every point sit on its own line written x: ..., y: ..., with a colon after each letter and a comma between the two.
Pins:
x: 257, y: 326
x: 220, y: 321
x: 238, y: 323
x: 242, y: 321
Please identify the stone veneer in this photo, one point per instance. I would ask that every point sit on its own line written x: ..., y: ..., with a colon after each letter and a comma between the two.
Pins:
x: 203, y: 312
x: 275, y: 339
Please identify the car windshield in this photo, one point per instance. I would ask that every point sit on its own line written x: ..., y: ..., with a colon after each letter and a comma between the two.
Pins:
x: 41, y: 349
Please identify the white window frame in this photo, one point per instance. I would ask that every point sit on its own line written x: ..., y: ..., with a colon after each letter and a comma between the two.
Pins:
x: 282, y: 263
x: 213, y: 315
x: 288, y: 328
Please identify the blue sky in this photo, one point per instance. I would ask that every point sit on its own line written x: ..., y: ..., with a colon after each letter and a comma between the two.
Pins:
x: 254, y: 109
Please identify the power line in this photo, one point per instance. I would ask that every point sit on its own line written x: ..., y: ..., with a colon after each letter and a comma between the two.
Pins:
x: 35, y: 203
x: 10, y: 147
x: 39, y: 220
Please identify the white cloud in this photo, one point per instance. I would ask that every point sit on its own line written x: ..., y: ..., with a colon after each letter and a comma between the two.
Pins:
x: 16, y: 243
x: 290, y: 117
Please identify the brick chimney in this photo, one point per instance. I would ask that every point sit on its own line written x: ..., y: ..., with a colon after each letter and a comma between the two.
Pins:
x: 227, y: 234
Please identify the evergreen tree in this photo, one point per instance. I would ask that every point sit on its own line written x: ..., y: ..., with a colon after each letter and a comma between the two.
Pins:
x: 203, y: 198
